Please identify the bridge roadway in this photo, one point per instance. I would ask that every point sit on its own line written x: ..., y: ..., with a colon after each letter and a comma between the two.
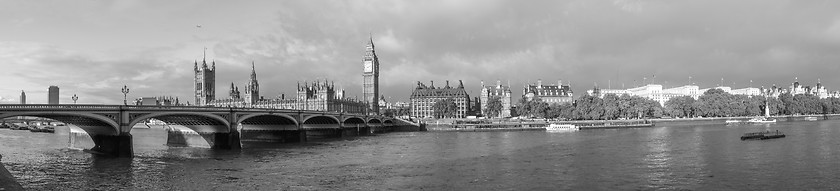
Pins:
x: 109, y: 126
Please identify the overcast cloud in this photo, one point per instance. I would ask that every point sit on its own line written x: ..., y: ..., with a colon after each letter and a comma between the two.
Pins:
x: 92, y: 48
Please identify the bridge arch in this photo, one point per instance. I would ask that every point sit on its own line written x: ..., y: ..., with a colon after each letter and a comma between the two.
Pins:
x: 354, y: 120
x: 388, y: 122
x: 93, y: 124
x: 374, y: 121
x: 282, y: 116
x: 262, y: 121
x: 199, y: 122
x: 321, y: 122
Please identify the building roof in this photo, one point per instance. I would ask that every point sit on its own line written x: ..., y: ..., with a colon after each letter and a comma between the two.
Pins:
x: 430, y: 91
x: 562, y: 90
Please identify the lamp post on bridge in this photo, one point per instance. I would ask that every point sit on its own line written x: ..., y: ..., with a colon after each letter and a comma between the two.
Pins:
x: 125, y: 94
x: 75, y: 98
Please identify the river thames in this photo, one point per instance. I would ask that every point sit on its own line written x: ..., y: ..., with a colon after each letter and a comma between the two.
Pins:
x: 694, y: 157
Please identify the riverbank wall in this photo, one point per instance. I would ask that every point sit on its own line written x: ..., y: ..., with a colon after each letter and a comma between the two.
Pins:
x: 7, y: 181
x: 448, y: 125
x: 722, y: 120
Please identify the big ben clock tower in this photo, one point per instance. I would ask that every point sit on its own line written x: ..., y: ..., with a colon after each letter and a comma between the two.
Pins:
x: 371, y: 77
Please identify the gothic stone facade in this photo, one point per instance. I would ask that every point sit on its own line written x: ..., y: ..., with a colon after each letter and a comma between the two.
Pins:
x: 371, y: 78
x: 205, y: 83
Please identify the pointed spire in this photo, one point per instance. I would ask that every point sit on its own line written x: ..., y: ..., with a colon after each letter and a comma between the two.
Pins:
x: 370, y: 37
x: 253, y: 72
x: 460, y: 84
x: 204, y: 59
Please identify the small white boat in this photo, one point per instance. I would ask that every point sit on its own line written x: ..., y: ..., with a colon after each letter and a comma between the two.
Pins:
x: 761, y: 120
x: 733, y: 121
x: 765, y: 118
x: 561, y: 127
x: 810, y: 118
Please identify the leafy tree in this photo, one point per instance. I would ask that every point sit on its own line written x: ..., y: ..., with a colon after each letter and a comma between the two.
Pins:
x: 611, y: 106
x: 388, y: 112
x: 682, y: 106
x: 776, y: 106
x: 523, y: 108
x: 554, y: 111
x: 538, y: 109
x: 494, y: 106
x: 625, y: 106
x: 787, y: 101
x: 404, y: 111
x: 445, y: 108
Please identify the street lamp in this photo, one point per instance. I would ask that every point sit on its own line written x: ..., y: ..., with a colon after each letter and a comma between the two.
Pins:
x: 125, y: 94
x: 75, y: 98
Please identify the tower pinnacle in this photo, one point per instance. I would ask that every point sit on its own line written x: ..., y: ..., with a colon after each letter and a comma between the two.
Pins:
x: 253, y: 71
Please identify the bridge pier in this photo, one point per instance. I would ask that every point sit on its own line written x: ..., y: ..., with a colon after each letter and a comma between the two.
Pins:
x: 215, y: 140
x: 114, y: 145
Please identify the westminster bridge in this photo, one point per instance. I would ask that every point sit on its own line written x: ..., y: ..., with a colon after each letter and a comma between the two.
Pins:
x: 109, y: 126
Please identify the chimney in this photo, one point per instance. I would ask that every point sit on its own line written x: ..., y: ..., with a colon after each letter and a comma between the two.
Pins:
x: 539, y: 83
x: 498, y: 83
x: 282, y: 96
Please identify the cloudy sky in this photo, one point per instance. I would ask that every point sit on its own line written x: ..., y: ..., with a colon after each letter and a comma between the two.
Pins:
x: 91, y: 47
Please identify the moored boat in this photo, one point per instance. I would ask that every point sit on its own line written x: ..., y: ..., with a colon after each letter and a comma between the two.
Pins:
x: 732, y: 121
x: 761, y: 120
x: 810, y: 118
x: 762, y: 135
x: 561, y: 127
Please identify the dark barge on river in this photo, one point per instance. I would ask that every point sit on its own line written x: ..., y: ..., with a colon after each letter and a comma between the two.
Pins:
x: 763, y: 135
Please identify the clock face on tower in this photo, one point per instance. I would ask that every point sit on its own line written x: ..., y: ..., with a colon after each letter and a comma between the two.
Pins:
x: 368, y: 66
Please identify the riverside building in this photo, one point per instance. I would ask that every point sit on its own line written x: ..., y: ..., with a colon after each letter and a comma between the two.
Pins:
x: 551, y: 94
x: 498, y: 91
x: 423, y: 99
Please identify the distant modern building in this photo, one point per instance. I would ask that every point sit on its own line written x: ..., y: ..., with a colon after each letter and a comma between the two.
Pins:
x: 497, y: 91
x: 749, y: 91
x: 205, y: 82
x: 551, y: 94
x: 651, y: 91
x: 423, y: 99
x: 53, y: 95
x: 22, y: 97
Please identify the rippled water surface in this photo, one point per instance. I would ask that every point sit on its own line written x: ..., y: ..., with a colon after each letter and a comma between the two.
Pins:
x: 696, y: 157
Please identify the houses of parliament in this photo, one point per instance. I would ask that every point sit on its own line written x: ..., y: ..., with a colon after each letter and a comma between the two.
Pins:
x: 315, y: 96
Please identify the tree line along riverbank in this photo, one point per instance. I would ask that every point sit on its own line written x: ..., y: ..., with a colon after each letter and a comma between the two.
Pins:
x: 713, y: 103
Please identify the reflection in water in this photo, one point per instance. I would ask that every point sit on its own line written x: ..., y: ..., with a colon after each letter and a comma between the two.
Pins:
x: 658, y: 159
x: 109, y: 173
x: 694, y: 157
